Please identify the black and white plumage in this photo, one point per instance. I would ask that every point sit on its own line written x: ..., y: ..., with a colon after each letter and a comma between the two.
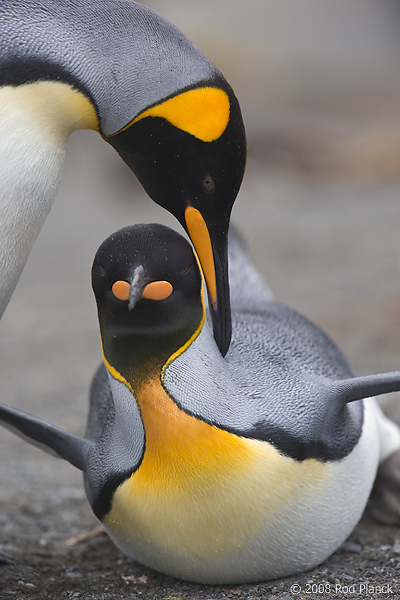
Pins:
x: 212, y: 469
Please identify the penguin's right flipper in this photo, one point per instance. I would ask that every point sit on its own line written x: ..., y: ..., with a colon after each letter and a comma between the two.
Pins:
x: 49, y: 438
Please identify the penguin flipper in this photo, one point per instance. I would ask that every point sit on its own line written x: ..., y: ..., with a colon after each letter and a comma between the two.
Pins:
x: 359, y: 388
x: 49, y: 438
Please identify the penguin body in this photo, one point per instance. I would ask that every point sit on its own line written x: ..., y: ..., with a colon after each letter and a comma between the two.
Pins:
x: 120, y: 69
x: 211, y: 469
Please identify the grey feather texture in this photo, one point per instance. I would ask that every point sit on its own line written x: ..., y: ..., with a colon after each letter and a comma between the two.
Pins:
x: 284, y: 383
x: 143, y: 57
x: 283, y: 380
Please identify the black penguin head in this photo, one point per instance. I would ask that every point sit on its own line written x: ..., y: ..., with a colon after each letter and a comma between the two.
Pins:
x: 189, y: 153
x: 147, y: 285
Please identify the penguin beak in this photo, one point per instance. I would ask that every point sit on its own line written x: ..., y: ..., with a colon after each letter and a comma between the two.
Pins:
x: 137, y: 287
x: 214, y: 263
x: 140, y: 287
x: 221, y: 311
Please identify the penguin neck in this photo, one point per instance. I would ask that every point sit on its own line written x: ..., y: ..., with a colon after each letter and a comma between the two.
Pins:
x: 135, y: 357
x: 138, y: 359
x: 35, y: 122
x: 177, y: 444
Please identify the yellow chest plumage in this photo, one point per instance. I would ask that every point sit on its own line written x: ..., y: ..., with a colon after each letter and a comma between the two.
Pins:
x: 196, y: 480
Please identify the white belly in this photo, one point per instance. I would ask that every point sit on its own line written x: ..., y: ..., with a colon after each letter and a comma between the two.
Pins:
x: 283, y: 519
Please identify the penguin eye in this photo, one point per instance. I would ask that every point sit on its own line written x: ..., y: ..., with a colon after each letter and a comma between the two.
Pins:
x: 208, y: 184
x: 185, y: 270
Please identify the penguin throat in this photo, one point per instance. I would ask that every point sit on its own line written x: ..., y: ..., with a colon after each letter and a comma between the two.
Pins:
x: 140, y: 357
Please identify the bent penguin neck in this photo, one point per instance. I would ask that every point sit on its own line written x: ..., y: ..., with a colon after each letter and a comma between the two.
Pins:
x: 35, y: 122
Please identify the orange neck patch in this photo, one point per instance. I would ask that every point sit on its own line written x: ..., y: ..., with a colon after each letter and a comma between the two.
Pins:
x: 180, y: 448
x: 202, y: 112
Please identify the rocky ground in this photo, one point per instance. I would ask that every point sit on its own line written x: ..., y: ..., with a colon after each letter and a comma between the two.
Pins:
x: 320, y: 210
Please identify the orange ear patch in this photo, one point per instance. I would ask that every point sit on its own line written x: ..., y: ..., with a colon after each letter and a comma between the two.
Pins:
x: 202, y: 112
x: 157, y: 290
x: 121, y: 290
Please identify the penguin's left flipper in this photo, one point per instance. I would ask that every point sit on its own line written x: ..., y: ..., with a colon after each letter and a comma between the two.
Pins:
x: 49, y: 438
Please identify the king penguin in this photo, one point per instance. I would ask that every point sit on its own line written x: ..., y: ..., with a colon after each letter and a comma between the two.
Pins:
x: 217, y: 470
x: 118, y: 68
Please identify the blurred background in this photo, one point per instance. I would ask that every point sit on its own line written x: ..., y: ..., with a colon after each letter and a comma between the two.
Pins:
x: 319, y: 86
